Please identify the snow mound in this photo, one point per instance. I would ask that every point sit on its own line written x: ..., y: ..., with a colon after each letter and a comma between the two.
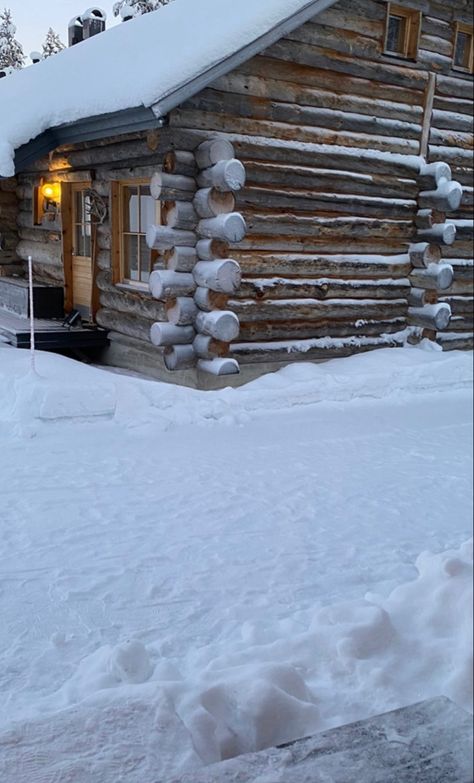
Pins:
x: 356, y: 659
x: 64, y: 389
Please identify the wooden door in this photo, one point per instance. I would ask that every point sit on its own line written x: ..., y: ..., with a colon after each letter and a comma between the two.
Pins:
x: 78, y: 249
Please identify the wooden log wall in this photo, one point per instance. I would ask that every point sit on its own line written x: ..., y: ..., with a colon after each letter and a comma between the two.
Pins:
x: 450, y: 140
x: 9, y: 262
x: 330, y: 130
x: 321, y: 211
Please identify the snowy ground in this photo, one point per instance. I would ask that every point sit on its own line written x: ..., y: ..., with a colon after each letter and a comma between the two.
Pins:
x: 186, y: 575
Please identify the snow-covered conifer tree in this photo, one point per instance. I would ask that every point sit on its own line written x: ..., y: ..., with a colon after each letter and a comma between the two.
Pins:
x: 11, y: 52
x: 52, y: 44
x: 127, y: 8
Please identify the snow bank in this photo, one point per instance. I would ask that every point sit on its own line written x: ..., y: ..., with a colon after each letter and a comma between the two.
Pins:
x: 354, y: 660
x: 165, y: 50
x: 64, y: 389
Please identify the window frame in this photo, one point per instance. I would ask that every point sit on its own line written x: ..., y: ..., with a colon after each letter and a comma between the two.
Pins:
x: 461, y: 27
x: 412, y: 18
x: 119, y: 277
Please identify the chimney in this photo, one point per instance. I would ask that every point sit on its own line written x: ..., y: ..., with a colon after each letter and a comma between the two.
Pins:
x: 36, y: 57
x: 75, y: 31
x: 127, y: 12
x: 93, y: 20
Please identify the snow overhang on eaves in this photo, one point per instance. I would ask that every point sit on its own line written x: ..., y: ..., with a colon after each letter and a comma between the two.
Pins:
x: 144, y: 118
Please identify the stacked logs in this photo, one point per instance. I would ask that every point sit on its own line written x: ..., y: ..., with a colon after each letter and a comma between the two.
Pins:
x: 200, y: 222
x: 438, y: 195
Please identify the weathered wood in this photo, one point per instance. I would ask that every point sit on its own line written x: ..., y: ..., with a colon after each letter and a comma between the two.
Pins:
x: 223, y: 325
x: 180, y: 162
x: 165, y: 284
x: 436, y: 276
x: 162, y: 334
x: 208, y: 300
x: 207, y: 347
x: 213, y: 151
x: 312, y: 309
x: 179, y: 357
x: 223, y: 276
x: 131, y: 325
x: 321, y: 288
x: 172, y: 187
x: 261, y: 331
x: 352, y: 266
x: 182, y: 311
x: 41, y: 252
x: 225, y: 176
x: 180, y: 259
x: 435, y: 316
x: 230, y: 227
x: 219, y: 367
x: 209, y: 249
x: 164, y: 238
x: 209, y: 202
x: 180, y: 215
x: 423, y: 254
x: 417, y: 297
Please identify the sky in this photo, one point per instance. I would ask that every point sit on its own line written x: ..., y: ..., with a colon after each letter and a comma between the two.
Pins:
x: 33, y: 18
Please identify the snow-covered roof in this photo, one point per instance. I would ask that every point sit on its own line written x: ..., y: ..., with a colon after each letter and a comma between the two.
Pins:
x: 155, y: 62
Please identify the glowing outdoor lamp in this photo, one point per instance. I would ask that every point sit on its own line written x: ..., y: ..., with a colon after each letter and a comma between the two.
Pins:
x: 51, y: 191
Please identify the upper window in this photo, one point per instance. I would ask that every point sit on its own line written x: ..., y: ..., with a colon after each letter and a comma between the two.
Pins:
x: 402, y: 31
x: 463, y: 48
x: 137, y: 210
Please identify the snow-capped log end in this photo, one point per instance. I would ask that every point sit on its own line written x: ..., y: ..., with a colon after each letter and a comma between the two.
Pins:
x: 223, y: 276
x: 165, y: 237
x: 179, y: 357
x: 435, y: 317
x: 166, y: 334
x: 230, y: 227
x: 432, y: 173
x: 209, y: 202
x: 442, y: 233
x: 437, y: 277
x: 165, y: 284
x: 225, y: 176
x: 213, y: 151
x: 446, y: 198
x: 221, y: 324
x: 219, y: 367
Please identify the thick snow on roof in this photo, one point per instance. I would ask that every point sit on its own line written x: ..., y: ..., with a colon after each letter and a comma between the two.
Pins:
x: 134, y: 64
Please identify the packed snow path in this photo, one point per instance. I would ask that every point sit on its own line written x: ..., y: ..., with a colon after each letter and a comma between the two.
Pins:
x: 213, y: 535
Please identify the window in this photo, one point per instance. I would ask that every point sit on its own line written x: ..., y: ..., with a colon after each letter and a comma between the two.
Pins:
x: 463, y: 48
x: 82, y: 224
x: 402, y: 32
x: 134, y: 210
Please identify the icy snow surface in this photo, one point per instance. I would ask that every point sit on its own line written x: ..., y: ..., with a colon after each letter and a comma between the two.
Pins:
x: 186, y: 576
x: 164, y: 50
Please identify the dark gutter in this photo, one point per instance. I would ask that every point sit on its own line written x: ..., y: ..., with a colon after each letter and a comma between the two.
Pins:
x: 89, y: 129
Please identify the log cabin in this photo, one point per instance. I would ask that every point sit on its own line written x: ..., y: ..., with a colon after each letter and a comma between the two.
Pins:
x: 292, y: 182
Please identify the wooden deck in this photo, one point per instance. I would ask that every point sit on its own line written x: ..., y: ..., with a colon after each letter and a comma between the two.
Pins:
x: 50, y: 335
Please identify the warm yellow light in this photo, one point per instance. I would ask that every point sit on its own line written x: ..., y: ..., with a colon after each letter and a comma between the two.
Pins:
x: 51, y: 191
